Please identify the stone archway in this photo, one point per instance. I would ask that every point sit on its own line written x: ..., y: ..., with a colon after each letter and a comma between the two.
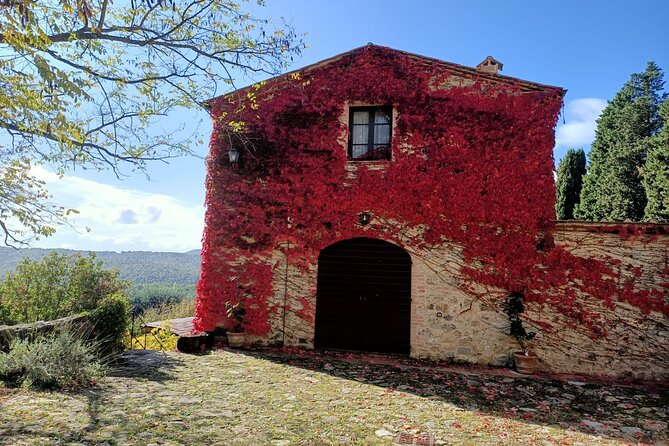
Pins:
x: 363, y: 298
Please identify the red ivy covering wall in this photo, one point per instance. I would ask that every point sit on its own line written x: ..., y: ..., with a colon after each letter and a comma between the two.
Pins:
x: 472, y: 164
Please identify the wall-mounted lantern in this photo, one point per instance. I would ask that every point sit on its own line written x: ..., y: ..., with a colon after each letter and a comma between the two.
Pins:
x: 364, y: 218
x: 233, y: 156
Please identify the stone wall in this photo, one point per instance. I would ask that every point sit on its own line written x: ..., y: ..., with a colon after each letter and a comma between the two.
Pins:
x: 101, y: 327
x: 637, y: 345
x: 82, y: 323
x: 446, y: 323
x: 449, y: 324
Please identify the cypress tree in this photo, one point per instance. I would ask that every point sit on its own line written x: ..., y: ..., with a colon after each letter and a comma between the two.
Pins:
x: 569, y: 181
x: 656, y: 172
x: 612, y: 188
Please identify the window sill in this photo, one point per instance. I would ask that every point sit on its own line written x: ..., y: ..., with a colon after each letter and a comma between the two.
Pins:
x: 352, y: 165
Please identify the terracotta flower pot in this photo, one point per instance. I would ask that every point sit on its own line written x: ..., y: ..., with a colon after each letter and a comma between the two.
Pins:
x: 236, y: 340
x: 526, y: 364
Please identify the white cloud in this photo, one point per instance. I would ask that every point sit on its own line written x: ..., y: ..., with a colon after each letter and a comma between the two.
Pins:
x: 580, y: 123
x: 121, y: 219
x: 127, y: 217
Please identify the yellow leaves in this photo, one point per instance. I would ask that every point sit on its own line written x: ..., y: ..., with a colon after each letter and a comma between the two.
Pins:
x: 23, y: 201
x: 159, y: 338
x: 62, y: 85
x: 43, y: 68
x: 295, y: 76
x: 251, y: 96
x: 257, y: 86
x: 236, y: 126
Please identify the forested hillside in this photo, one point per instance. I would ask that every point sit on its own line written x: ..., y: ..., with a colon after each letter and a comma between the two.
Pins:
x: 141, y: 267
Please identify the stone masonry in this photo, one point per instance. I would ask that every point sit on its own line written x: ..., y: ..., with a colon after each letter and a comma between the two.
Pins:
x: 448, y: 324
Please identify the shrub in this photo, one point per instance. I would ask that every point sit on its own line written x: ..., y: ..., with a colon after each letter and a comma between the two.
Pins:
x: 143, y: 296
x: 55, y: 361
x: 56, y: 286
x: 111, y: 321
x: 514, y: 307
x: 185, y: 308
x: 4, y: 313
x: 160, y: 338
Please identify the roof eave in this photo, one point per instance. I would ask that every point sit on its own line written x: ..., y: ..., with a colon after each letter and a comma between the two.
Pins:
x: 452, y: 66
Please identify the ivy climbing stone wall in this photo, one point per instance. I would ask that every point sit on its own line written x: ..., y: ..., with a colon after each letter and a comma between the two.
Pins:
x: 449, y: 324
x: 636, y: 341
x: 468, y: 192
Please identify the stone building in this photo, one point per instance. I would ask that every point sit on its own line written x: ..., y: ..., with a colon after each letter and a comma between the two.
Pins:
x: 386, y: 202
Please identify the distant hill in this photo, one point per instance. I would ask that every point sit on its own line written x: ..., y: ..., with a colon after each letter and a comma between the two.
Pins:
x: 139, y: 266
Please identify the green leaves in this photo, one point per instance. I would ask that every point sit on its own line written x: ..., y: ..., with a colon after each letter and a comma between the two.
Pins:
x: 656, y: 172
x: 24, y: 202
x: 82, y: 84
x: 56, y: 286
x: 569, y: 182
x: 613, y: 189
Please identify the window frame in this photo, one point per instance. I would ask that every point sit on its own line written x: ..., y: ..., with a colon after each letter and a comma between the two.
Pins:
x: 371, y: 125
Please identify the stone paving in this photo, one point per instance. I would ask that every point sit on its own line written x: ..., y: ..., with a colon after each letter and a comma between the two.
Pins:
x: 296, y: 398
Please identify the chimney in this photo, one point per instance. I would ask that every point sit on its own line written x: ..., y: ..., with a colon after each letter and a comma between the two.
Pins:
x: 490, y: 65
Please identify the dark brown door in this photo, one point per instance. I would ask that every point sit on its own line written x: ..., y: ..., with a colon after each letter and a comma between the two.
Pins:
x: 363, y: 297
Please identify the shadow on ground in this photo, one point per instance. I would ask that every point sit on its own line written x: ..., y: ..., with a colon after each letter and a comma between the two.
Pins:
x: 298, y: 398
x: 82, y: 417
x: 146, y: 364
x: 607, y: 410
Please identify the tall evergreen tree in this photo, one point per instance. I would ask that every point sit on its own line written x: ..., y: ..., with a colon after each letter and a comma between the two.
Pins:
x: 656, y: 172
x: 569, y: 182
x: 612, y: 188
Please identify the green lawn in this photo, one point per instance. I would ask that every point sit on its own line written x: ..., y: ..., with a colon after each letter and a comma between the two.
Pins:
x: 228, y: 398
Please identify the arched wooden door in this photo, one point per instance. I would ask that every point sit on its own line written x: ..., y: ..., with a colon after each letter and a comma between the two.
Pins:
x: 363, y: 299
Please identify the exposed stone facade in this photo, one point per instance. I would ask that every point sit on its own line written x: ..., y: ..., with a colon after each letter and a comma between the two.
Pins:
x: 449, y: 324
x: 634, y: 346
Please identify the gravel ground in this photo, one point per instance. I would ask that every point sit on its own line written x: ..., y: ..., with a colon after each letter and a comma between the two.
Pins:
x: 293, y: 398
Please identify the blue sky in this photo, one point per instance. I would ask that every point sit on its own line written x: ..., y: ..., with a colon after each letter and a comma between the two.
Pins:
x: 588, y: 47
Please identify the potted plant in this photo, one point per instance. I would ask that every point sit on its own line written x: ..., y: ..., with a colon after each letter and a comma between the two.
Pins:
x: 235, y: 313
x: 526, y: 360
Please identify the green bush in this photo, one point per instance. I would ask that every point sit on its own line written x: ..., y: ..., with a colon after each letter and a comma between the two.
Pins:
x: 56, y: 361
x: 111, y: 320
x: 175, y: 310
x: 56, y: 286
x: 4, y: 313
x: 148, y: 295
